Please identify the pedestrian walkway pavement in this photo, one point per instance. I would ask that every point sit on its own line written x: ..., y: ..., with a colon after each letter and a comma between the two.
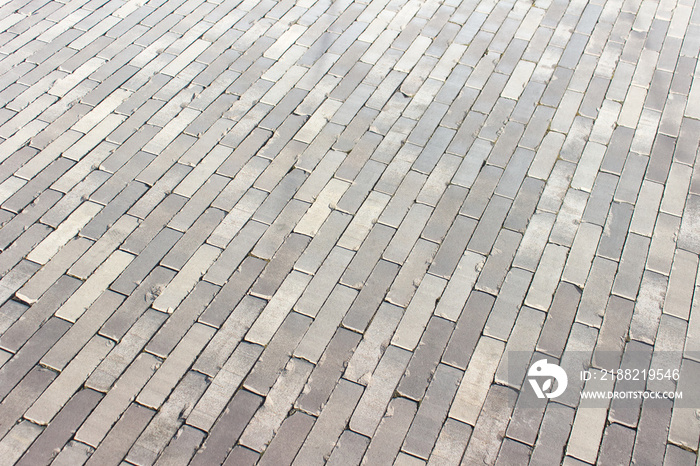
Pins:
x: 386, y: 232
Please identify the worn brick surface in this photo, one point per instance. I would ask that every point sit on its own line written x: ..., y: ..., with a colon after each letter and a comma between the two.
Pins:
x: 298, y: 231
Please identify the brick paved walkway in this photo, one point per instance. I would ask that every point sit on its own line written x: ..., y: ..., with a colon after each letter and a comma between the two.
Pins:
x: 307, y: 231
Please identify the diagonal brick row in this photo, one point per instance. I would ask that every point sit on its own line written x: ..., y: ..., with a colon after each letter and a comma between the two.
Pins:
x: 298, y: 232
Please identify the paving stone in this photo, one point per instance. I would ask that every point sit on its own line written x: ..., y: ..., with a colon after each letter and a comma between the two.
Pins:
x: 168, y: 420
x: 79, y: 334
x: 330, y: 424
x: 23, y: 395
x: 451, y: 443
x: 373, y: 291
x: 432, y: 412
x: 652, y: 431
x: 559, y: 317
x: 555, y: 430
x: 289, y: 439
x: 453, y: 245
x: 280, y: 398
x: 380, y: 388
x: 418, y: 312
x: 387, y: 440
x: 228, y: 428
x: 55, y: 436
x: 474, y: 388
x: 499, y: 261
x: 629, y: 273
x: 349, y: 449
x: 687, y: 239
x: 226, y: 381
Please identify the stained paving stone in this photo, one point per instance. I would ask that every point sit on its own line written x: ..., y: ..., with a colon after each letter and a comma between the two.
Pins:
x: 394, y: 171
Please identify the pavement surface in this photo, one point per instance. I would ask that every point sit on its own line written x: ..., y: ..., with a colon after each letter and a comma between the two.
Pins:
x: 352, y: 231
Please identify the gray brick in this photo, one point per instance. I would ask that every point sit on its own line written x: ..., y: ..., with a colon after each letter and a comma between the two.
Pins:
x: 288, y: 439
x: 156, y: 220
x: 23, y: 396
x: 426, y: 359
x: 279, y: 265
x: 524, y: 205
x: 146, y: 261
x: 556, y: 426
x: 228, y: 428
x: 652, y: 432
x: 167, y: 421
x: 626, y: 411
x: 387, y: 440
x: 349, y: 450
x: 433, y: 410
x: 507, y: 306
x: 468, y: 329
x: 55, y: 436
x: 687, y: 237
x: 323, y: 242
x: 486, y: 231
x: 68, y: 346
x: 134, y: 306
x: 513, y: 453
x: 559, y: 319
x: 181, y: 319
x: 481, y: 191
x: 497, y: 407
x: 497, y: 265
x: 451, y: 443
x: 330, y: 424
x: 36, y: 316
x: 218, y: 311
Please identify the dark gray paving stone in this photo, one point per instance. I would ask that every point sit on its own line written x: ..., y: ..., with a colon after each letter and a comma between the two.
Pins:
x: 615, y: 327
x: 660, y: 159
x: 37, y: 185
x: 493, y: 420
x: 371, y: 296
x: 349, y: 450
x: 279, y: 266
x: 62, y: 428
x: 629, y: 273
x: 626, y: 412
x: 223, y: 436
x: 652, y: 432
x: 425, y: 360
x: 513, y: 453
x: 369, y: 253
x: 154, y: 222
x: 486, y: 231
x: 230, y: 295
x: 688, y: 237
x: 452, y: 247
x: 193, y: 238
x: 82, y: 331
x: 242, y: 456
x: 328, y: 371
x: 146, y: 261
x: 560, y: 316
x: 123, y: 435
x: 617, y: 444
x: 615, y: 231
x: 497, y: 265
x: 34, y: 318
x: 468, y: 330
x: 432, y: 412
x: 182, y: 319
x: 600, y: 199
x: 524, y: 205
x: 288, y: 440
x: 555, y: 430
x: 129, y: 312
x: 387, y: 440
x: 23, y: 395
x: 277, y: 353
